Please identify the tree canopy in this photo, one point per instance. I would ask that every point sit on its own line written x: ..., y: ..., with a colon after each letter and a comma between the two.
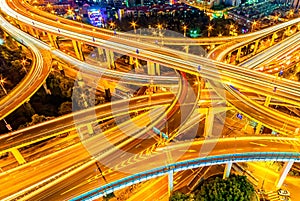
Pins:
x: 234, y: 188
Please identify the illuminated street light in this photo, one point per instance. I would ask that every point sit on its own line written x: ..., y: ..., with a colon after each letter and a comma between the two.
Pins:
x: 112, y: 25
x: 253, y: 25
x: 23, y: 64
x: 291, y: 13
x: 209, y: 28
x: 184, y: 30
x: 2, y: 81
x: 133, y: 24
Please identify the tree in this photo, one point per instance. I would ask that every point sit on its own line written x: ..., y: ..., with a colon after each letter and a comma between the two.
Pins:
x: 178, y: 196
x: 231, y: 189
x: 65, y: 108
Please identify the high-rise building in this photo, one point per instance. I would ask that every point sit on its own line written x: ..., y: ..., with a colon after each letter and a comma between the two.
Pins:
x: 295, y: 3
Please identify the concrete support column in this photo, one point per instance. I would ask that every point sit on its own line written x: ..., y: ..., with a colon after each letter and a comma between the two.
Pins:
x: 37, y: 33
x: 51, y: 40
x: 258, y: 127
x: 170, y: 181
x: 77, y: 49
x: 55, y: 42
x: 131, y: 60
x: 90, y: 129
x: 110, y: 58
x: 285, y: 170
x: 25, y: 28
x: 186, y: 49
x: 157, y: 69
x: 267, y: 101
x: 31, y: 31
x: 18, y: 156
x: 237, y: 59
x: 209, y: 122
x: 273, y: 38
x: 150, y: 68
x: 229, y: 57
x: 21, y: 27
x: 100, y: 52
x: 227, y: 169
x: 80, y: 51
x: 288, y: 31
x: 256, y: 46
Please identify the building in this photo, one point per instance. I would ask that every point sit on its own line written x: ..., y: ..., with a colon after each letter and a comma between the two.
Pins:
x: 295, y: 3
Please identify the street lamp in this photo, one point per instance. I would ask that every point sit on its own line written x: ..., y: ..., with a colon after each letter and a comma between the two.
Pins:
x: 133, y: 24
x: 209, y: 28
x: 2, y: 81
x: 159, y: 26
x: 184, y: 30
x: 23, y: 64
x: 253, y: 25
x: 112, y: 25
x: 291, y: 13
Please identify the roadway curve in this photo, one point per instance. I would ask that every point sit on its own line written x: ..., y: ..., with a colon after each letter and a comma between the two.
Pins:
x: 189, y: 154
x: 167, y: 40
x: 241, y: 78
x: 276, y: 120
x: 37, y: 75
x: 66, y: 123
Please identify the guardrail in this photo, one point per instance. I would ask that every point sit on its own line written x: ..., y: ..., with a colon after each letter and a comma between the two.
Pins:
x: 189, y: 164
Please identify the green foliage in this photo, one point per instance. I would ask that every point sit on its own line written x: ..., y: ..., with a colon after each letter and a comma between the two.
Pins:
x: 177, y: 196
x: 234, y: 188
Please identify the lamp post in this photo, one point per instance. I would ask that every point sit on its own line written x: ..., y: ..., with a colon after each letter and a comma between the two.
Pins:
x: 253, y: 25
x: 112, y: 25
x: 209, y: 28
x: 2, y: 81
x: 23, y: 64
x: 133, y: 24
x: 184, y: 30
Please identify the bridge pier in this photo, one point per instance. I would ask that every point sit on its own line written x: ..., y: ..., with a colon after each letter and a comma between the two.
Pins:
x: 18, y: 156
x: 90, y: 129
x: 256, y: 46
x: 209, y: 122
x: 109, y: 55
x: 288, y: 30
x: 37, y: 33
x: 266, y: 104
x: 227, y: 169
x: 55, y: 42
x: 51, y: 39
x: 238, y: 56
x: 274, y: 36
x: 150, y: 68
x: 31, y: 31
x: 78, y: 50
x: 100, y: 52
x: 170, y: 182
x: 229, y: 57
x: 186, y: 49
x: 285, y: 170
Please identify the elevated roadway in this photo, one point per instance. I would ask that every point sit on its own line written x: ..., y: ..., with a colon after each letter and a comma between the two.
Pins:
x: 252, y: 81
x: 36, y: 76
x: 188, y: 154
x: 166, y: 40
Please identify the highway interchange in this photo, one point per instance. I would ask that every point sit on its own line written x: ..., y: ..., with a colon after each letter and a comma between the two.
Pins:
x: 218, y: 73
